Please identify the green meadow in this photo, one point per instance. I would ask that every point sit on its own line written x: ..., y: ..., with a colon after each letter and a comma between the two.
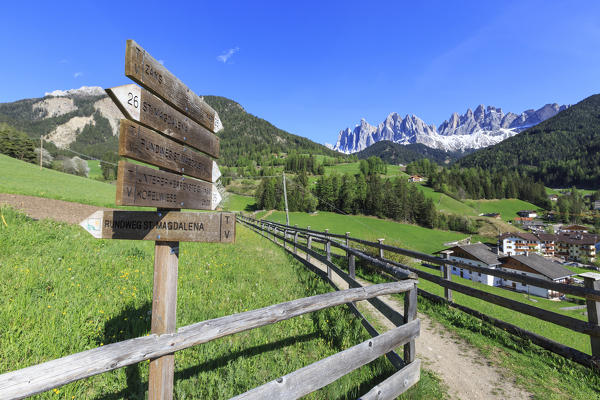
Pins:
x: 506, y: 207
x: 447, y: 204
x: 66, y: 292
x: 236, y: 202
x: 19, y: 177
x: 370, y: 228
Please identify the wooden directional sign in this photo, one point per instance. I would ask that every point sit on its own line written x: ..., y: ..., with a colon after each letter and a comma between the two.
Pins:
x: 142, y: 68
x: 162, y: 226
x: 143, y: 144
x: 142, y: 106
x: 138, y: 185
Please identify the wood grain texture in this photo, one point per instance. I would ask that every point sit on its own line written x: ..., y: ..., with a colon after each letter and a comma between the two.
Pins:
x: 593, y: 310
x: 145, y: 145
x: 164, y: 317
x: 140, y: 105
x: 138, y: 185
x: 396, y: 384
x: 42, y: 377
x: 312, y: 377
x: 142, y: 68
x: 166, y: 226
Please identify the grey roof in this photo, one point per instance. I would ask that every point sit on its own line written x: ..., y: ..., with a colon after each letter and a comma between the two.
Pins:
x: 481, y: 252
x: 542, y: 265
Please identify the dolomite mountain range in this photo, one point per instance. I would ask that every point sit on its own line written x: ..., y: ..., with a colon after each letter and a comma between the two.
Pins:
x: 483, y: 127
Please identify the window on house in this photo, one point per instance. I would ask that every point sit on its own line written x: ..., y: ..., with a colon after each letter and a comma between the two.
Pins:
x: 479, y: 273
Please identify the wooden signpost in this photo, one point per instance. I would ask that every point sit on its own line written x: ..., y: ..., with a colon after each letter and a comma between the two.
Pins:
x: 165, y: 122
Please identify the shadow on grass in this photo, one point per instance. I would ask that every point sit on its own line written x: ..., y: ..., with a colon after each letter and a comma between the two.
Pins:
x: 136, y: 388
x: 132, y: 322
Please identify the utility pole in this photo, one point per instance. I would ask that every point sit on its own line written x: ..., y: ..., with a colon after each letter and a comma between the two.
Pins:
x: 287, y: 214
x: 41, y: 150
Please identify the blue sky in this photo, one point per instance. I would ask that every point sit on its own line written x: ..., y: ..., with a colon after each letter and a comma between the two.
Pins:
x: 313, y: 68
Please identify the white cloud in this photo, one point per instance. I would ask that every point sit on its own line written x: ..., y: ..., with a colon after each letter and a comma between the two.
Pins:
x: 227, y: 54
x: 161, y: 62
x: 77, y: 74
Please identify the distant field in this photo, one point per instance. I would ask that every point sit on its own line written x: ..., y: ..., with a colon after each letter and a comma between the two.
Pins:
x: 405, y: 235
x: 95, y: 170
x: 354, y: 168
x: 506, y: 207
x: 447, y: 204
x: 561, y: 191
x: 19, y: 177
x: 236, y: 202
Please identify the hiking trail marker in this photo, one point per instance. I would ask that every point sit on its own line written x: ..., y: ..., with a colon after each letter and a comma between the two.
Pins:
x: 166, y: 123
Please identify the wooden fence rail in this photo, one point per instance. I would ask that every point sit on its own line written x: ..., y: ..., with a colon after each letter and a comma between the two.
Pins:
x: 52, y: 374
x: 592, y: 295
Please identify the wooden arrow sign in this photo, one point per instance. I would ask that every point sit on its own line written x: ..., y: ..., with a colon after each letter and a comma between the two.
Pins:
x: 140, y: 105
x: 143, y: 144
x: 142, y: 68
x: 138, y: 185
x: 162, y: 226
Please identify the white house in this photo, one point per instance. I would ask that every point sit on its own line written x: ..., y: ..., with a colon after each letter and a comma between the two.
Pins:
x: 535, y: 266
x: 479, y: 255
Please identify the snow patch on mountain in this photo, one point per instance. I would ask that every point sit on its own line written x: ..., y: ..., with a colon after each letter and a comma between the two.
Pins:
x: 472, y: 130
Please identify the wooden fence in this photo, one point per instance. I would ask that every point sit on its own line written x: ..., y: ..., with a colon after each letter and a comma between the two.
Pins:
x: 52, y: 374
x: 590, y: 292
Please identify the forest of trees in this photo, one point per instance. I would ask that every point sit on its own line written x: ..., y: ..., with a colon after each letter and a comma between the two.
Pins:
x: 365, y: 193
x: 561, y: 152
x: 477, y: 183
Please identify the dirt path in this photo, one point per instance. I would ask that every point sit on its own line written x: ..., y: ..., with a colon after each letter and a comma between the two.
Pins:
x: 461, y: 367
x: 40, y: 208
x: 466, y: 373
x: 267, y: 214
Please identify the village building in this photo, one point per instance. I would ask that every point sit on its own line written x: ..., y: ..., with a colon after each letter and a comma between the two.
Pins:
x: 477, y: 254
x: 527, y: 214
x: 553, y: 197
x: 519, y: 243
x: 567, y: 245
x: 596, y: 205
x: 416, y: 178
x: 574, y: 229
x: 491, y: 215
x: 536, y: 266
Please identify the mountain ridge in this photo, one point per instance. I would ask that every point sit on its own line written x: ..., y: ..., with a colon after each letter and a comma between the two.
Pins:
x: 87, y: 121
x: 474, y: 129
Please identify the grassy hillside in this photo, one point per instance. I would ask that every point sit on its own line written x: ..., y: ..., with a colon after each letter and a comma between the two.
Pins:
x: 447, y: 204
x: 19, y: 177
x: 506, y: 207
x: 53, y: 306
x: 371, y: 228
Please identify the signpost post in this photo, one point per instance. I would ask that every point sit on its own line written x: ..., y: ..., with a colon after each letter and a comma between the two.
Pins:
x: 166, y: 123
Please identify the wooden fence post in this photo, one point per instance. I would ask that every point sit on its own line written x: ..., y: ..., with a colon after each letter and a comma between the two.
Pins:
x: 351, y: 266
x: 296, y: 239
x: 284, y: 237
x: 410, y: 313
x: 328, y: 251
x: 380, y: 249
x: 347, y: 244
x: 308, y: 244
x: 164, y: 308
x: 592, y: 281
x: 447, y: 274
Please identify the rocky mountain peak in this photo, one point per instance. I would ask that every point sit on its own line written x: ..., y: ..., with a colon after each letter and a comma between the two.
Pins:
x: 474, y: 129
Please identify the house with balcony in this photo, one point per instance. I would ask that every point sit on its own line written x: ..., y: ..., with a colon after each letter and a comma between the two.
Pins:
x: 519, y: 243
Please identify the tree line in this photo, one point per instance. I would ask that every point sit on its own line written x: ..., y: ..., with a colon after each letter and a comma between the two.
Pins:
x: 367, y: 194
